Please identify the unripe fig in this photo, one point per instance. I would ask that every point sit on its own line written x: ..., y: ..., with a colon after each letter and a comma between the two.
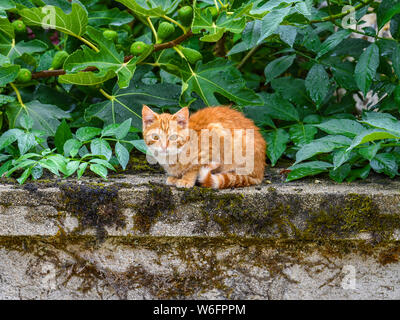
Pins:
x: 165, y: 29
x: 110, y: 35
x: 19, y: 26
x: 185, y: 15
x: 59, y: 59
x: 24, y: 75
x: 138, y: 47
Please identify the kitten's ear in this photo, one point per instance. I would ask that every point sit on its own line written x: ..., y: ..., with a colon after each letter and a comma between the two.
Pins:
x: 148, y: 116
x: 182, y: 117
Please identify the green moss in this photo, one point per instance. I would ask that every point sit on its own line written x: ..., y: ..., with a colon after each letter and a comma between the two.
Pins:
x: 234, y: 212
x: 339, y: 218
x: 138, y: 164
x: 202, y: 267
x: 95, y: 206
x: 158, y: 201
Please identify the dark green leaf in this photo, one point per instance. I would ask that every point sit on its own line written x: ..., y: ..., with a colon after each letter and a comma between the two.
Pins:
x: 87, y: 133
x: 385, y: 163
x: 99, y: 169
x: 101, y: 147
x: 366, y: 68
x: 317, y: 83
x: 63, y: 133
x: 322, y: 145
x: 307, y: 169
x: 302, y: 134
x: 122, y: 155
x: 386, y: 10
x: 277, y: 67
x: 279, y: 108
x: 276, y: 144
x: 345, y: 127
x: 339, y: 174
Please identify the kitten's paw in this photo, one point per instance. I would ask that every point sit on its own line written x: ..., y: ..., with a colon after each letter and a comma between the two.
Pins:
x: 181, y: 183
x: 171, y: 181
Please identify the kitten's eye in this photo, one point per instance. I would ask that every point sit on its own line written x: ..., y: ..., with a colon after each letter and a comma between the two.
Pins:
x: 173, y: 137
x: 155, y: 136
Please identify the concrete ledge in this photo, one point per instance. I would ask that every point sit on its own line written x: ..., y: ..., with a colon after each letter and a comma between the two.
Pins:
x: 135, y: 238
x: 143, y: 206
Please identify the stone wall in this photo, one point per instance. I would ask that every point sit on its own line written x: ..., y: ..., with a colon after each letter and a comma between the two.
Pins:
x: 135, y: 238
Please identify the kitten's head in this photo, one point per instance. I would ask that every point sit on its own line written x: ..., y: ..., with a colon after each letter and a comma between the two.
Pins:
x: 165, y: 133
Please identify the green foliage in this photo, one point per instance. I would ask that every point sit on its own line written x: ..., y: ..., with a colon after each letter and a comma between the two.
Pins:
x: 292, y: 66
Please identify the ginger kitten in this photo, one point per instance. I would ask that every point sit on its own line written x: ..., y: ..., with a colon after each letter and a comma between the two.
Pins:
x: 217, y: 146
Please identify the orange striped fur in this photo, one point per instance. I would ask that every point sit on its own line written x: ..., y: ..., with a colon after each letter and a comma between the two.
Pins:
x: 172, y: 134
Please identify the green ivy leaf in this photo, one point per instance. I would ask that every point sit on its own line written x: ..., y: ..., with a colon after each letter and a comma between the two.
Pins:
x: 71, y: 167
x: 291, y: 89
x: 103, y: 163
x: 140, y: 145
x: 25, y: 175
x: 250, y: 36
x: 260, y: 7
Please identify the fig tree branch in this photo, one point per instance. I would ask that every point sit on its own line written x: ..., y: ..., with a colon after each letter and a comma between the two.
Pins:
x: 157, y: 47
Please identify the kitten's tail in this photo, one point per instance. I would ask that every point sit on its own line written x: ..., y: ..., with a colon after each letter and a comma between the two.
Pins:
x: 225, y: 180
